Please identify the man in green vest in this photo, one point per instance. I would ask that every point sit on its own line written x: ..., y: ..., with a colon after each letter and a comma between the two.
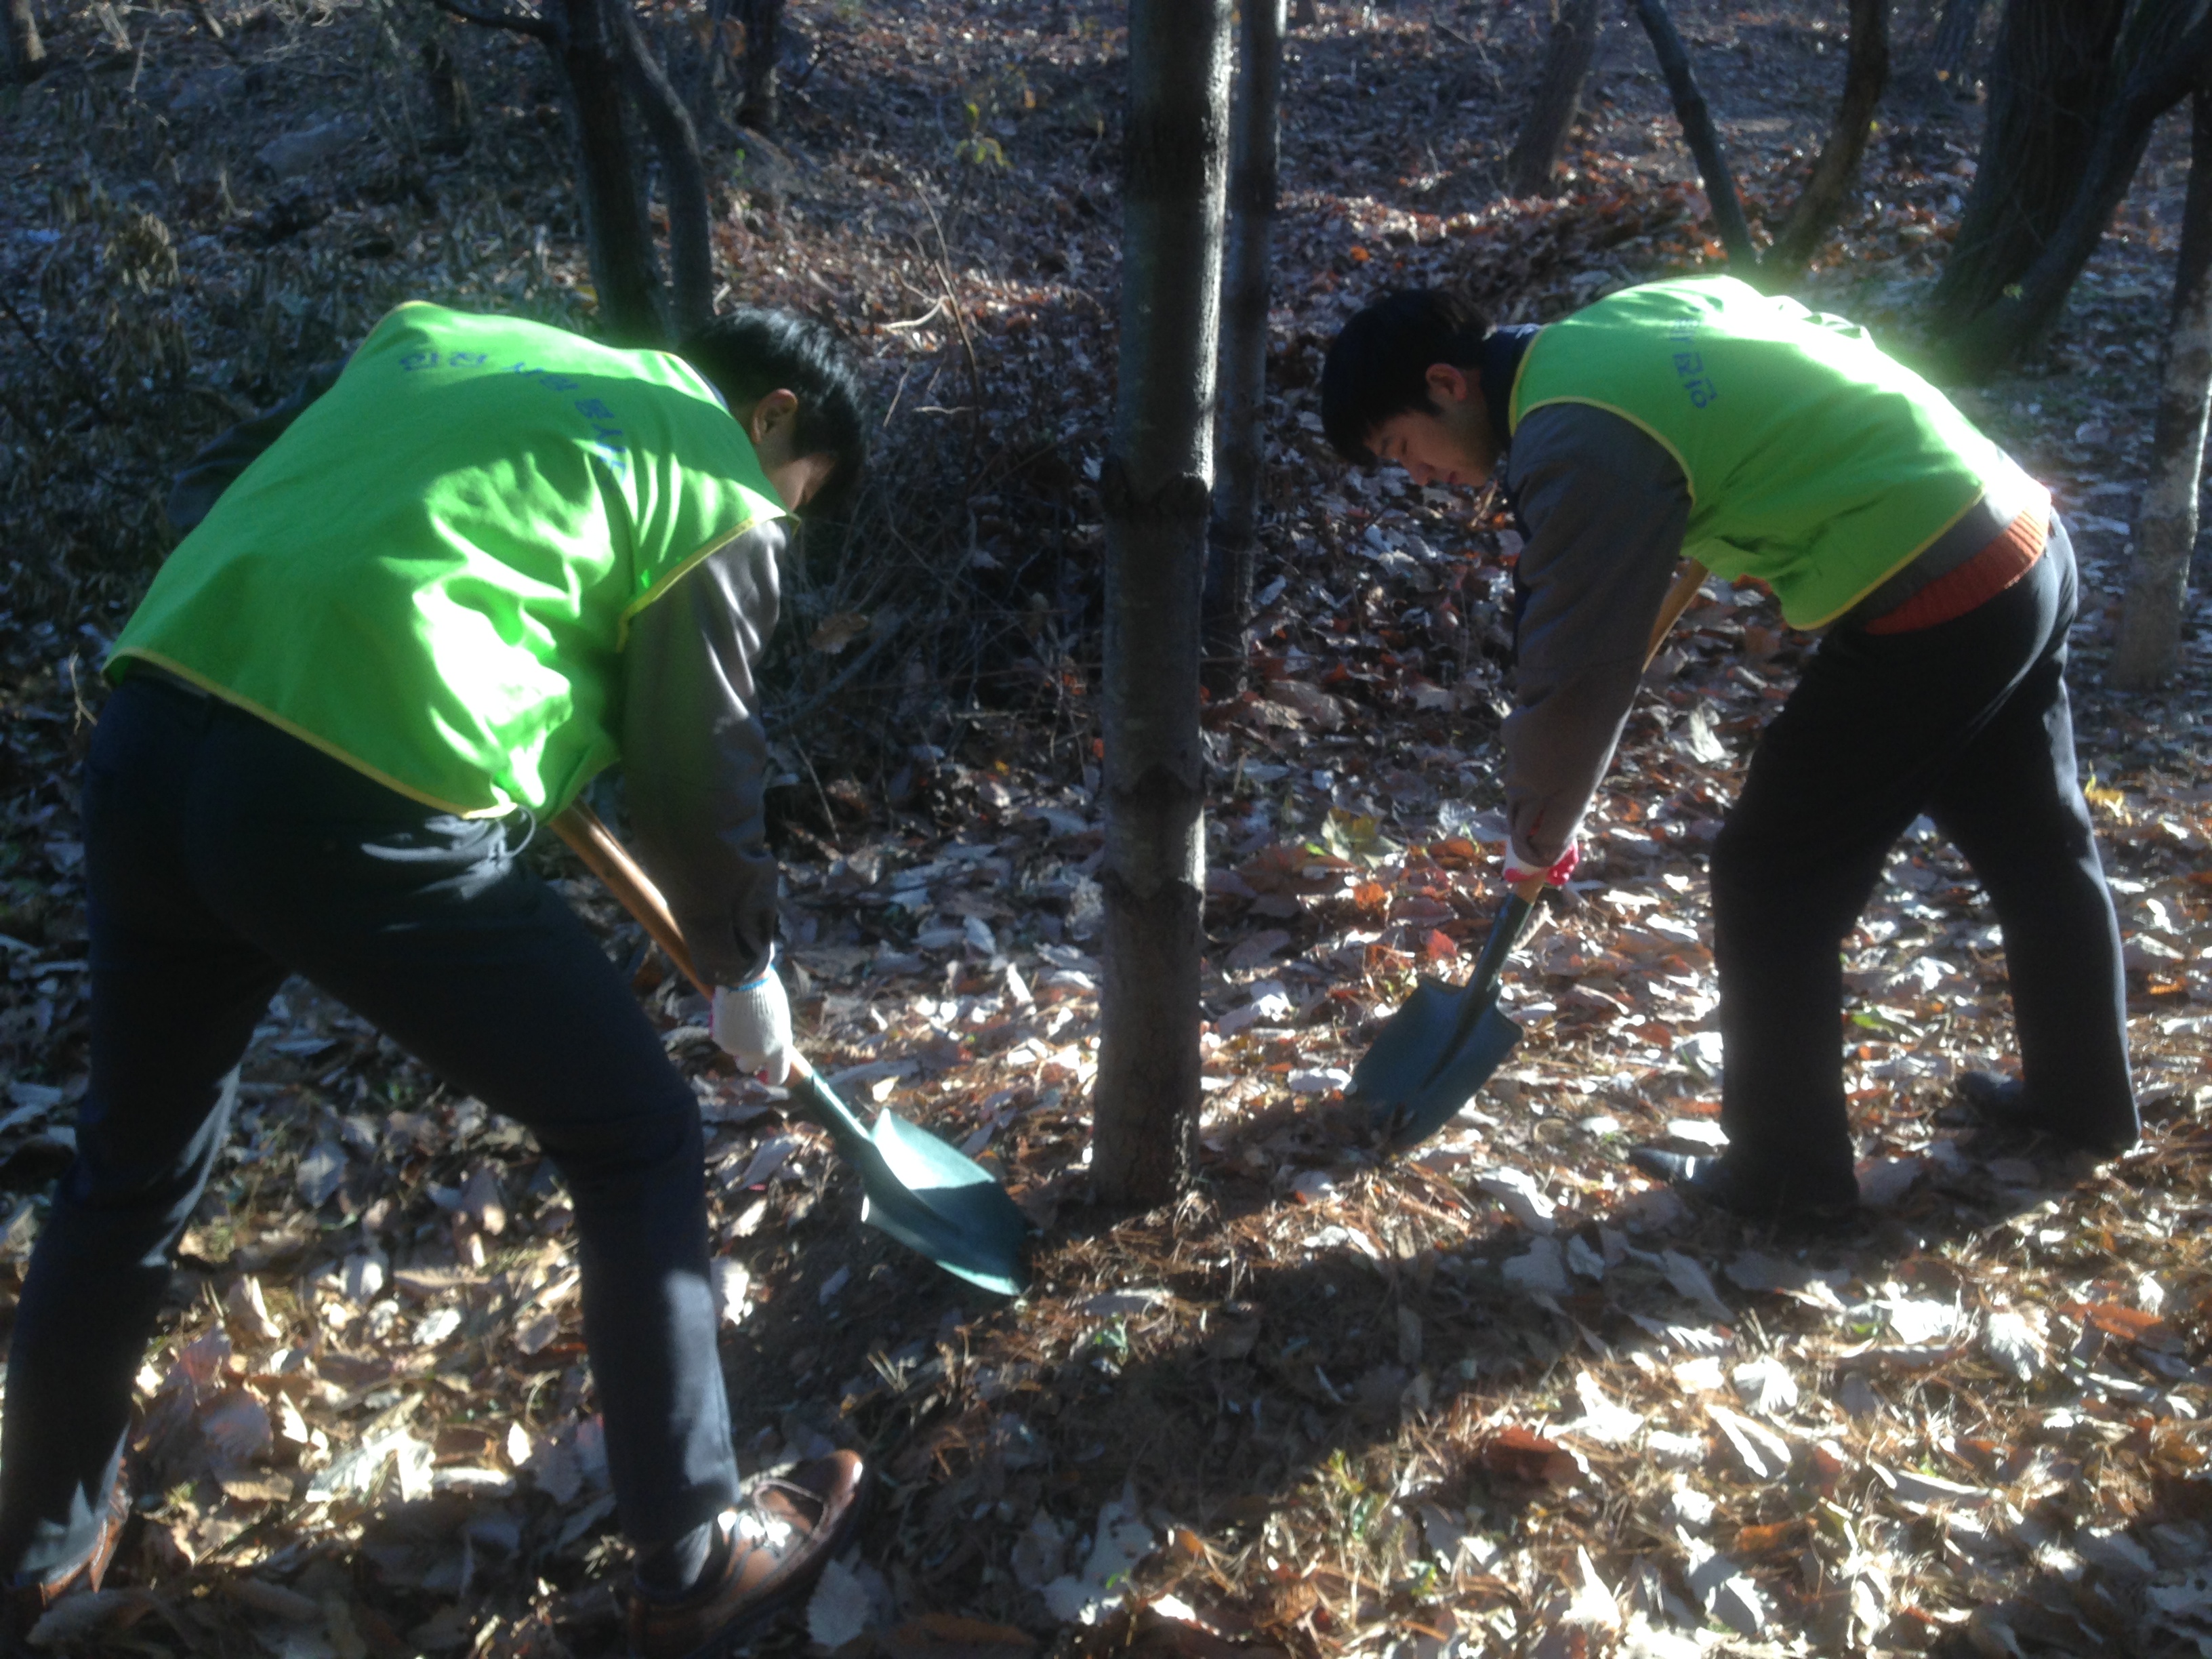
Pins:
x: 483, y: 563
x: 1701, y: 418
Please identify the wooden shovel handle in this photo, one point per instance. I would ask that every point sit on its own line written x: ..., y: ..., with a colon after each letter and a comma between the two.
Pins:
x: 1688, y: 581
x: 589, y: 838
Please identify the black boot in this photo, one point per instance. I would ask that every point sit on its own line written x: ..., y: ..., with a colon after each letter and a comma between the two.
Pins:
x: 2009, y: 1120
x: 1716, y: 1181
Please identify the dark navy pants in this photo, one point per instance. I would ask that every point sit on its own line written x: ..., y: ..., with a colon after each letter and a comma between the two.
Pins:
x: 1966, y: 722
x: 223, y: 855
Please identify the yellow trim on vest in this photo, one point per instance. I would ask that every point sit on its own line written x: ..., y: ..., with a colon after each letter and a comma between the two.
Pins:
x: 675, y: 574
x: 192, y: 676
x: 1980, y: 496
x: 1513, y: 415
x: 1652, y: 433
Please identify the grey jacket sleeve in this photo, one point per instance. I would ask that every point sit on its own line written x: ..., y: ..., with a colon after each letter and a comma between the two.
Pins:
x: 695, y: 755
x: 1605, y: 505
x: 193, y: 492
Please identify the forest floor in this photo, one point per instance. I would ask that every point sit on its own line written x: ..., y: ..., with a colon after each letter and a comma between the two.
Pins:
x: 1502, y: 1396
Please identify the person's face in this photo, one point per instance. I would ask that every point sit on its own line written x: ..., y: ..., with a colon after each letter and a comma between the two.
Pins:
x: 774, y: 426
x: 1453, y: 446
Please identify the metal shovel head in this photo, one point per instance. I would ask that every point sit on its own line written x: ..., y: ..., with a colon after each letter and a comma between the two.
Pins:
x: 1415, y: 1077
x: 946, y: 1206
x: 1457, y: 1081
x: 1410, y: 1043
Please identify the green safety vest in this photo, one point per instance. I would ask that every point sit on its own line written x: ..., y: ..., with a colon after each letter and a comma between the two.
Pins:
x: 1815, y: 462
x: 430, y: 575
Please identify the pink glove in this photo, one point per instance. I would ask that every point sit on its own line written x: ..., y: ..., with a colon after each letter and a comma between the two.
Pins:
x: 1517, y: 872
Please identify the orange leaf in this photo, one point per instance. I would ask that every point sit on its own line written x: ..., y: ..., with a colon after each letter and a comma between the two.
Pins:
x: 1436, y: 947
x: 1518, y: 1454
x: 2129, y: 1324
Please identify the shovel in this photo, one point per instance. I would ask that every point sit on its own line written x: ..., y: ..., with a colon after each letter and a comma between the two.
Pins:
x: 922, y: 1192
x: 1432, y: 1055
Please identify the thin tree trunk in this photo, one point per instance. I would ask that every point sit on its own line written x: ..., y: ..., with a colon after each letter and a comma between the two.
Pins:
x: 1144, y: 1134
x: 2150, y: 647
x: 1705, y: 142
x: 1821, y: 203
x: 452, y: 117
x: 684, y: 174
x: 27, y: 53
x: 1955, y: 37
x: 616, y: 235
x: 764, y: 21
x: 2165, y: 54
x: 1567, y: 59
x: 2049, y: 78
x: 1255, y: 166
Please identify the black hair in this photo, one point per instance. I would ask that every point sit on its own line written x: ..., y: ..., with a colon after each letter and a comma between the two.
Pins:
x: 751, y: 351
x: 1378, y: 364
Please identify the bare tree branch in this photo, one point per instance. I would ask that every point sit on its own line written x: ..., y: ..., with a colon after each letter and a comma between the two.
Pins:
x: 1704, y: 140
x: 690, y: 246
x: 522, y: 23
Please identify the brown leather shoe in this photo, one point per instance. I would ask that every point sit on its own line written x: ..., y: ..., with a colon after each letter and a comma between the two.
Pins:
x: 27, y: 1603
x: 776, y: 1546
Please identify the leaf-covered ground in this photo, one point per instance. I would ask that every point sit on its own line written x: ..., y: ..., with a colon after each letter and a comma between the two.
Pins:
x: 1502, y: 1397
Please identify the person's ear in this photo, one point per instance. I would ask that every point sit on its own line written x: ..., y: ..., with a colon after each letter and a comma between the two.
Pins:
x: 1451, y: 385
x: 777, y: 409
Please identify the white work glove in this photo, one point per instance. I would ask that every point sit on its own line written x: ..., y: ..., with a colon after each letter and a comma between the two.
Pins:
x: 752, y: 1026
x: 1517, y: 872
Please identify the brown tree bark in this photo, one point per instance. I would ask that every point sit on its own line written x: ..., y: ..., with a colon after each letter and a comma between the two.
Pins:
x: 588, y: 56
x: 683, y: 176
x: 1955, y: 37
x: 1698, y: 129
x: 2149, y: 647
x: 26, y: 52
x: 452, y: 116
x: 2050, y: 75
x: 1240, y: 451
x: 764, y: 25
x: 1567, y: 59
x: 1822, y: 201
x: 1146, y: 1107
x: 2163, y: 52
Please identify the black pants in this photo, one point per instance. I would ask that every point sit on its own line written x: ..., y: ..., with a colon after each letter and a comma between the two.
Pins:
x: 1966, y: 722
x: 222, y: 855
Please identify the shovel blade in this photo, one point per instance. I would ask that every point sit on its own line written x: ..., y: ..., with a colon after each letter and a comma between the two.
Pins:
x: 934, y: 1199
x: 1462, y: 1074
x: 1407, y: 1049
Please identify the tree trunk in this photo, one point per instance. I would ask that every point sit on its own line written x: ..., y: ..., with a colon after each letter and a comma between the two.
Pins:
x: 1144, y: 1135
x: 1955, y: 37
x: 684, y: 174
x: 1240, y: 450
x: 2162, y: 55
x: 2149, y: 648
x: 587, y: 54
x: 1705, y: 142
x: 1821, y: 203
x: 764, y: 21
x: 2052, y: 74
x: 452, y: 117
x: 27, y: 53
x: 1567, y: 61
